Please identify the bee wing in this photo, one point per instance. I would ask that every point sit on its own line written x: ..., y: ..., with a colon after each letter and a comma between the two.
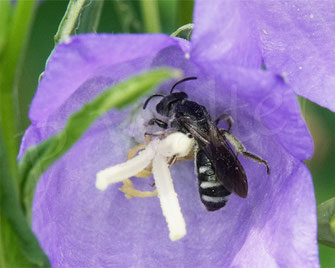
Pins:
x: 228, y: 168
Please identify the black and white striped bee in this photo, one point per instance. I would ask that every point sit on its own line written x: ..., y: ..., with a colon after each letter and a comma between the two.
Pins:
x: 219, y: 171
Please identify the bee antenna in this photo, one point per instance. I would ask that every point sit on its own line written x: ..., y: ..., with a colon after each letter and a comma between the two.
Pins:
x: 181, y: 81
x: 148, y: 99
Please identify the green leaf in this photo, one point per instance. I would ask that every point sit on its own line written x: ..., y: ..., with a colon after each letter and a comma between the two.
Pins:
x: 18, y: 245
x: 326, y: 223
x: 9, y: 63
x: 117, y: 96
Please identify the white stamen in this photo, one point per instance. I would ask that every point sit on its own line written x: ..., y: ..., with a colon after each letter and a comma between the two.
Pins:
x: 168, y: 198
x: 125, y: 170
x: 158, y: 152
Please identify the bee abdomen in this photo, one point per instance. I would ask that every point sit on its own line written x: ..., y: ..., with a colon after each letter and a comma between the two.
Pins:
x: 212, y: 193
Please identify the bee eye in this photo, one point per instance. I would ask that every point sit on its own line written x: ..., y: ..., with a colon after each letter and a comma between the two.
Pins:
x: 170, y: 105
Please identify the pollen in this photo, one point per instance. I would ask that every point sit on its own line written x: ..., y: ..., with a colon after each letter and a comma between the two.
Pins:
x: 156, y: 157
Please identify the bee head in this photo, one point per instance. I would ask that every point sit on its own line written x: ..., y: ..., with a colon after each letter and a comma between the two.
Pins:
x: 166, y: 106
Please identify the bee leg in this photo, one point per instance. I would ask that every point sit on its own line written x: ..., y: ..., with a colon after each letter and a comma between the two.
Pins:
x: 158, y: 122
x: 240, y: 149
x: 160, y: 134
x: 188, y: 157
x: 172, y: 160
x: 128, y: 187
x: 226, y: 118
x: 257, y: 159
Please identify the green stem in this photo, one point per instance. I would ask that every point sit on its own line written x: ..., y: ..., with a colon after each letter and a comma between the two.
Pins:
x: 151, y: 16
x: 69, y: 21
x: 12, y: 51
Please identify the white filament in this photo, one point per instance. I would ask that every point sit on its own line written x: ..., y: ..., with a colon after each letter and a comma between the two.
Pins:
x: 168, y: 198
x: 158, y: 152
x: 125, y: 170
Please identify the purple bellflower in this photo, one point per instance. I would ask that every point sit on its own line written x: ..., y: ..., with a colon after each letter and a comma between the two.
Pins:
x: 81, y: 226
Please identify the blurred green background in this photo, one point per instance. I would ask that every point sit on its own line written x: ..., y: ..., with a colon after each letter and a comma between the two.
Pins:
x: 125, y: 16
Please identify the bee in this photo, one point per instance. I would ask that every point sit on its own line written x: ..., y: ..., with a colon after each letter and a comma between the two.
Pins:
x: 218, y: 168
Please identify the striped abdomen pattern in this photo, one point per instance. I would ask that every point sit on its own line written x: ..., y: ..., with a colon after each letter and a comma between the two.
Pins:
x: 212, y: 193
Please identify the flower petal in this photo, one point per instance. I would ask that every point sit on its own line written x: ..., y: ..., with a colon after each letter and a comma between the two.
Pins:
x: 297, y: 40
x: 86, y: 56
x: 266, y: 97
x: 223, y: 30
x: 294, y: 38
